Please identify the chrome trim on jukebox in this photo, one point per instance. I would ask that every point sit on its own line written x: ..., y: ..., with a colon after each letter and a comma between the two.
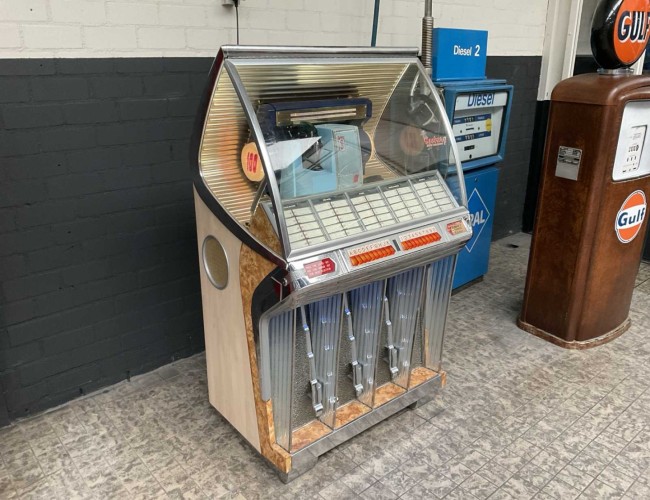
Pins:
x: 261, y: 147
x: 440, y: 277
x: 304, y: 459
x: 448, y: 128
x: 255, y: 51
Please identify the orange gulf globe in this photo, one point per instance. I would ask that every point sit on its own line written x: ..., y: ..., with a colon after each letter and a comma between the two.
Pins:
x: 631, y: 30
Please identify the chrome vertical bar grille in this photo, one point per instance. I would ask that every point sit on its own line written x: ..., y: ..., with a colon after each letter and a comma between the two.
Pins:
x: 281, y: 343
x: 331, y: 347
x: 404, y: 299
x: 365, y: 309
x: 440, y: 277
x: 325, y: 318
x: 224, y: 135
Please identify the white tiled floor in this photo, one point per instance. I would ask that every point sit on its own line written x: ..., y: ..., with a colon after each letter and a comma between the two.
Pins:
x: 520, y: 418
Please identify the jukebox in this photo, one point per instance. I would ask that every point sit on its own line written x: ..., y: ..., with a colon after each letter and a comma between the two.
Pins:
x: 330, y: 209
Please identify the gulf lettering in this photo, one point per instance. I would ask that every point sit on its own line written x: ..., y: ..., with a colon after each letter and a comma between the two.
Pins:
x: 625, y: 218
x: 633, y: 26
x: 480, y: 100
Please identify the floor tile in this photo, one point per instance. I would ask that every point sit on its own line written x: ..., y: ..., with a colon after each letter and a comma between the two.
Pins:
x: 418, y: 492
x: 358, y: 480
x: 478, y: 486
x: 438, y: 484
x: 398, y: 482
x: 547, y: 424
x: 598, y: 490
x: 455, y: 470
x: 616, y: 479
x: 378, y: 491
x: 338, y: 490
x: 519, y: 488
x: 561, y: 490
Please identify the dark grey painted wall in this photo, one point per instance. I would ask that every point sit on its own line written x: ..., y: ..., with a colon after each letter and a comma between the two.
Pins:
x: 98, y: 256
x: 98, y: 259
x: 523, y: 73
x: 583, y: 64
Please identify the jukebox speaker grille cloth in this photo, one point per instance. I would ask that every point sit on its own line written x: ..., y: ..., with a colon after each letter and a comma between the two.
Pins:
x: 313, y: 351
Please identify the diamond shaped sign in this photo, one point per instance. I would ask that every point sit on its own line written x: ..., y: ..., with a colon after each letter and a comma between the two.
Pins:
x: 479, y: 215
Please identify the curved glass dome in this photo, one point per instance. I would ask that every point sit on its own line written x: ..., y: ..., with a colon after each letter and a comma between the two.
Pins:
x: 335, y: 145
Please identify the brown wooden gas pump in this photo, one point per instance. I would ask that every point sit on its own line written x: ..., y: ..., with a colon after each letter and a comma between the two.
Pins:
x: 590, y: 222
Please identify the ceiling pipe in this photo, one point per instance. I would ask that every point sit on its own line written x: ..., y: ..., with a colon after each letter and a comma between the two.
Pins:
x: 375, y: 24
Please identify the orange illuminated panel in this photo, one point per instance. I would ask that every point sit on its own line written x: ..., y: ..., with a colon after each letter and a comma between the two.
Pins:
x: 370, y: 253
x: 420, y: 241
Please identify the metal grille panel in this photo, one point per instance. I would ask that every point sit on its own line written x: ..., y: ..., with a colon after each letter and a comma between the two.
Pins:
x: 366, y: 307
x: 404, y: 298
x: 415, y: 302
x: 325, y: 319
x: 440, y: 277
x: 224, y: 135
x: 281, y: 342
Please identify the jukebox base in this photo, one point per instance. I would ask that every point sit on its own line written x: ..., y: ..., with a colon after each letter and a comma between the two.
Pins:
x: 306, y: 458
x: 575, y: 344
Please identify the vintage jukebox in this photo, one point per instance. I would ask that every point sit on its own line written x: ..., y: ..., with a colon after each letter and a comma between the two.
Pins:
x: 328, y: 228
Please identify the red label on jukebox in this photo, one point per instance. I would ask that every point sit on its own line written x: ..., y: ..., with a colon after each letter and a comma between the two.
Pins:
x: 250, y: 163
x: 456, y: 227
x: 631, y: 30
x: 631, y: 216
x: 320, y: 267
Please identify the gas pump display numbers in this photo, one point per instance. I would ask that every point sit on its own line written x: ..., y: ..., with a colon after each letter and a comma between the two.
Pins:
x: 477, y: 123
x: 632, y: 158
x: 634, y: 147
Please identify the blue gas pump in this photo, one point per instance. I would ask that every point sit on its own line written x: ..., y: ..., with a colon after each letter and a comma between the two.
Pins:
x: 479, y: 111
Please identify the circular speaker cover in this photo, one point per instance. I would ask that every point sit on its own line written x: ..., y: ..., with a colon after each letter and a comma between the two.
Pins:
x: 215, y: 262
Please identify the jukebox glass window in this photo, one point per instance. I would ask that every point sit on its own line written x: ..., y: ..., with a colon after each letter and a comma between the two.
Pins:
x: 351, y: 147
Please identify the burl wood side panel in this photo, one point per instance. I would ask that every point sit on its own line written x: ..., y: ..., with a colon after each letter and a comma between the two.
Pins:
x: 387, y: 392
x: 349, y: 412
x: 420, y: 375
x: 230, y: 386
x: 307, y: 434
x: 252, y: 270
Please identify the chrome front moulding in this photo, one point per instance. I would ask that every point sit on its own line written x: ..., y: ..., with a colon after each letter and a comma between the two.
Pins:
x: 304, y: 459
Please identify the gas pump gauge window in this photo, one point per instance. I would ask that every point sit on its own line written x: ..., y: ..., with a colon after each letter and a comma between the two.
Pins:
x: 633, y: 152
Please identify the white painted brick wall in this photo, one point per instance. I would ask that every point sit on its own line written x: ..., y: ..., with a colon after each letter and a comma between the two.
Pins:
x: 85, y: 13
x: 10, y: 36
x: 118, y: 13
x: 141, y: 28
x: 110, y: 37
x: 47, y: 37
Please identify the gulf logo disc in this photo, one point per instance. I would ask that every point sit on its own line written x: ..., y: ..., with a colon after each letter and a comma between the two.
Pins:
x: 631, y: 216
x: 631, y: 30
